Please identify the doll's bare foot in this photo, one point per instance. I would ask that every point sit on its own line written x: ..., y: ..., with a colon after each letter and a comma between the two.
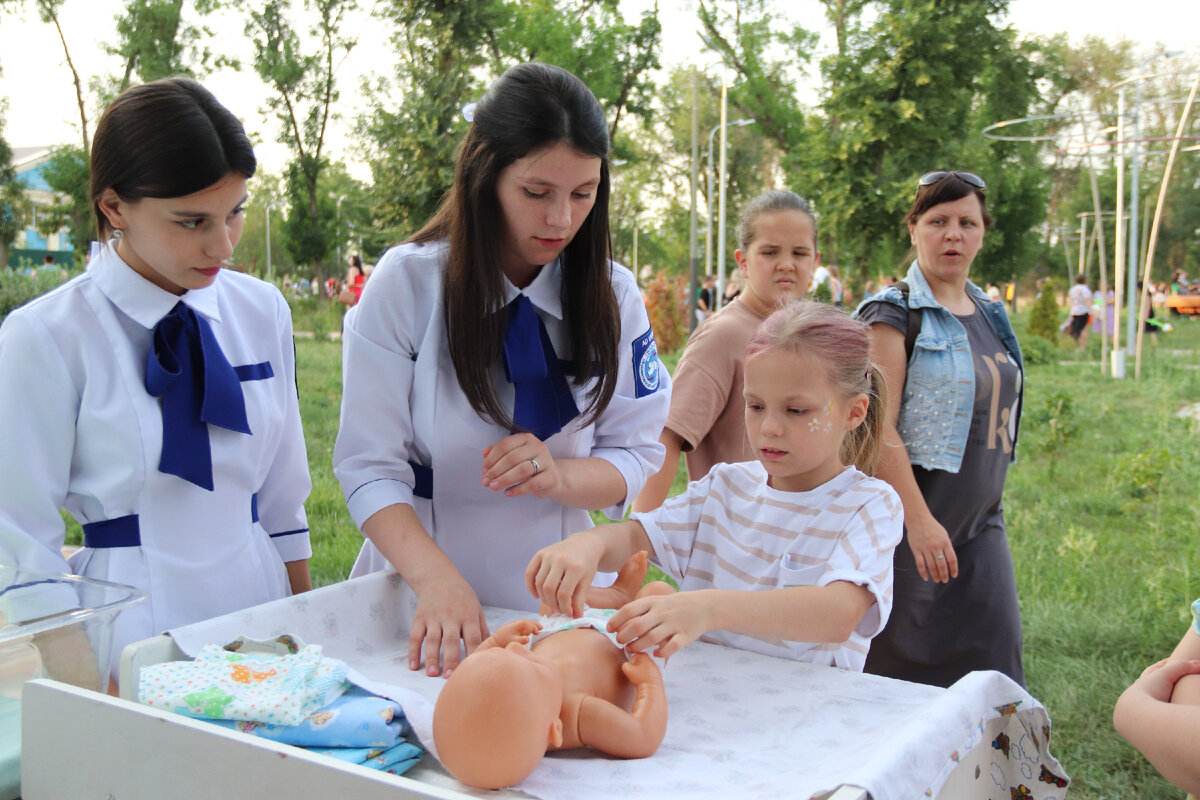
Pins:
x: 625, y: 588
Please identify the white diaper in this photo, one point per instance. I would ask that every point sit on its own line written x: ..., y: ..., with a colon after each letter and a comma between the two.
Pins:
x: 596, y: 618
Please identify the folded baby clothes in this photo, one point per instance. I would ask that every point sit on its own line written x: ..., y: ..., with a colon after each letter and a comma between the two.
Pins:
x: 356, y: 719
x: 220, y: 684
x: 396, y: 760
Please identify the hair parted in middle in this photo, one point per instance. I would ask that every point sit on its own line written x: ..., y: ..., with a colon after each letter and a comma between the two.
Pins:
x: 766, y: 203
x: 530, y: 107
x: 167, y: 138
x: 843, y: 345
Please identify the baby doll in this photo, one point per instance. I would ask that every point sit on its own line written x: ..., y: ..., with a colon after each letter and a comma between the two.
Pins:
x: 511, y: 701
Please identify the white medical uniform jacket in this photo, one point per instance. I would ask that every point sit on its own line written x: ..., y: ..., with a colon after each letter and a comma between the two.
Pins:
x: 401, y: 402
x: 79, y: 431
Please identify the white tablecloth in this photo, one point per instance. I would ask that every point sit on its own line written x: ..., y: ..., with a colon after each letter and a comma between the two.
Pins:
x: 740, y: 724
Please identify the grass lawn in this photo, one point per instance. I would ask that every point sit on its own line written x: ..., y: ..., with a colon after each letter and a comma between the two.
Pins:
x: 1101, y: 517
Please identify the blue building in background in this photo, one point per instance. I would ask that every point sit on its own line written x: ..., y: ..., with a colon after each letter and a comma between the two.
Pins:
x: 30, y: 245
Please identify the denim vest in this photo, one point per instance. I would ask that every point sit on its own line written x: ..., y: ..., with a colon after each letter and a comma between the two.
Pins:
x: 939, y: 391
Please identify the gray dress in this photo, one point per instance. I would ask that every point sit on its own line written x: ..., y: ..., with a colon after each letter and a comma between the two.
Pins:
x: 938, y: 632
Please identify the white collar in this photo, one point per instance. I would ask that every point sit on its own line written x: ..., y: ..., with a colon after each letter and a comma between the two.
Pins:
x: 545, y: 291
x: 144, y: 302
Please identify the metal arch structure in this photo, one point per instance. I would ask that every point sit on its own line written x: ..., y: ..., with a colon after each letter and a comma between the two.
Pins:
x: 1082, y: 120
x: 1087, y: 149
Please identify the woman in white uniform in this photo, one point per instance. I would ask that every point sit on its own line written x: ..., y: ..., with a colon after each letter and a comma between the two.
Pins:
x: 154, y: 396
x: 500, y: 374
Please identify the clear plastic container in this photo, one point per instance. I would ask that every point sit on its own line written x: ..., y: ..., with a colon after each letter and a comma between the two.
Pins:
x: 52, y: 625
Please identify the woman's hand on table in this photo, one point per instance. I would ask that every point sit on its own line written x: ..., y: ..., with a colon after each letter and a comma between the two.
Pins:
x: 665, y: 622
x: 448, y: 612
x: 520, y: 464
x: 559, y: 575
x: 931, y: 549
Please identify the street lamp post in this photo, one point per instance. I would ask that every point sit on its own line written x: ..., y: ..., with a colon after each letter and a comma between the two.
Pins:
x: 708, y: 238
x: 337, y: 223
x: 267, y: 210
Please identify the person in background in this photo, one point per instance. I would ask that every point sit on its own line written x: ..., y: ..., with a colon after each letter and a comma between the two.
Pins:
x: 356, y: 279
x: 1079, y: 302
x: 777, y: 253
x: 733, y: 287
x: 706, y: 299
x: 154, y: 396
x: 837, y: 289
x: 951, y: 433
x: 501, y: 377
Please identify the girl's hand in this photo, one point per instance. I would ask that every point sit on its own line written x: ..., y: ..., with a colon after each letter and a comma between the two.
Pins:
x: 559, y: 575
x: 665, y: 622
x: 931, y: 549
x: 520, y: 464
x: 448, y: 612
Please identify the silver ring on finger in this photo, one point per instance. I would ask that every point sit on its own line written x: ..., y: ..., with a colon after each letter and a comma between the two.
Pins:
x: 536, y: 467
x: 940, y: 557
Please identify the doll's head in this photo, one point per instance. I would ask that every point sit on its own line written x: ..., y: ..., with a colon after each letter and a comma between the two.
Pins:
x: 497, y: 716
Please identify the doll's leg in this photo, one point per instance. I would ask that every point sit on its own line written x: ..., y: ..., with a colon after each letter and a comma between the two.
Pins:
x: 625, y: 588
x: 656, y: 587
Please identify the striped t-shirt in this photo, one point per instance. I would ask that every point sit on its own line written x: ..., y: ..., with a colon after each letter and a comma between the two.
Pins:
x: 730, y: 530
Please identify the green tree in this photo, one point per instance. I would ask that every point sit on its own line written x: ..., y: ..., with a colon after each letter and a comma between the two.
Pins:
x: 154, y: 41
x: 14, y: 207
x: 48, y: 12
x: 266, y: 201
x: 909, y: 90
x: 68, y: 174
x: 417, y: 119
x: 1043, y: 317
x: 305, y: 90
x: 448, y: 52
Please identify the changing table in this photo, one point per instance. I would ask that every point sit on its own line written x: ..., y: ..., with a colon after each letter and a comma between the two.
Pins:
x: 740, y: 725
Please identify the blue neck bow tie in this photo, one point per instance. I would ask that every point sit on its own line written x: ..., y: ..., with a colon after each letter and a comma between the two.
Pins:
x: 198, y: 387
x: 544, y: 403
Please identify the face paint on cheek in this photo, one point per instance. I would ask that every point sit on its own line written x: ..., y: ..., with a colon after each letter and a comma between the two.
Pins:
x: 828, y: 427
x: 829, y: 408
x: 814, y: 425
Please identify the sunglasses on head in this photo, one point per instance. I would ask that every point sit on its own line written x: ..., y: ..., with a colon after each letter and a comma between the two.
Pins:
x: 933, y: 177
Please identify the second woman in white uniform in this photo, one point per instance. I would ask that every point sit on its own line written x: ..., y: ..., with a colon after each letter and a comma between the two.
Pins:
x: 195, y: 498
x: 500, y: 373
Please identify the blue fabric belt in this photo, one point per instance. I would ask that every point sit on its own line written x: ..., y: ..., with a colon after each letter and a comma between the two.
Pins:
x: 125, y: 531
x: 423, y: 478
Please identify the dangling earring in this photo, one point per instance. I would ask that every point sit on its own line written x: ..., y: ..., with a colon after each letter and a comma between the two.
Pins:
x: 118, y: 233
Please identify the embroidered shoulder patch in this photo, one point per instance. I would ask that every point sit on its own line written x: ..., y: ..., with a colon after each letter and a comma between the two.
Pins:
x: 645, y: 364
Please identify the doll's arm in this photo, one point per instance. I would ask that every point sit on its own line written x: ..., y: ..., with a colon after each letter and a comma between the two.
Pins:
x: 628, y: 734
x: 516, y: 631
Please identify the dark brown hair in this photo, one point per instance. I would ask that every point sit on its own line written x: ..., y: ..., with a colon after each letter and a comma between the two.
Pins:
x: 529, y: 108
x: 167, y: 138
x: 947, y: 190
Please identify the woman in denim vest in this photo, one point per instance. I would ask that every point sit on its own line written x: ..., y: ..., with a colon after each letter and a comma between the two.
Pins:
x: 954, y: 427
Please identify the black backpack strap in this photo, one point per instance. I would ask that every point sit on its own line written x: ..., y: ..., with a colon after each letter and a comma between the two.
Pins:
x: 914, y: 322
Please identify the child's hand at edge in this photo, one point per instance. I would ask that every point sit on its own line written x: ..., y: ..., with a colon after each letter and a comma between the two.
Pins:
x: 1158, y: 680
x: 665, y: 622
